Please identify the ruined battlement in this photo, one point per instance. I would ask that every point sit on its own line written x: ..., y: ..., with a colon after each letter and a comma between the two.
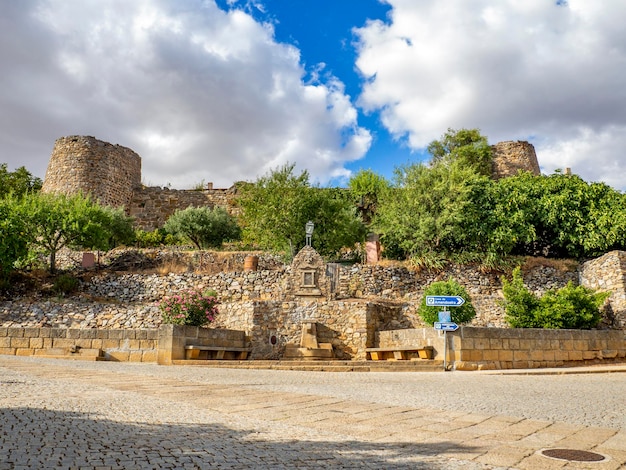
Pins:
x: 509, y: 158
x: 112, y: 174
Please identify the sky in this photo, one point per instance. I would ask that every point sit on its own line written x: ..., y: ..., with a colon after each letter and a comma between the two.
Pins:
x: 229, y: 90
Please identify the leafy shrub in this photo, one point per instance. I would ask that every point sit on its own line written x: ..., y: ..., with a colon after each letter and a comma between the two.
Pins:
x: 154, y: 239
x: 571, y: 307
x: 190, y: 307
x: 461, y: 314
x: 65, y: 284
x: 519, y: 303
x: 203, y: 226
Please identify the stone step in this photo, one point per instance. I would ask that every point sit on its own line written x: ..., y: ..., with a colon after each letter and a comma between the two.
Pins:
x: 323, y: 366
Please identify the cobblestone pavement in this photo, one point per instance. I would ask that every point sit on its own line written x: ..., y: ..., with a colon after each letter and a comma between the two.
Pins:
x: 103, y: 415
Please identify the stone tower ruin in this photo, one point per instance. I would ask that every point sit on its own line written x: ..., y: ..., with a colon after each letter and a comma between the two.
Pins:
x: 511, y: 157
x: 110, y: 173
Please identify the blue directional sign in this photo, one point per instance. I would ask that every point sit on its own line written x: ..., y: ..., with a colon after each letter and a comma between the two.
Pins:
x: 444, y: 301
x: 446, y: 326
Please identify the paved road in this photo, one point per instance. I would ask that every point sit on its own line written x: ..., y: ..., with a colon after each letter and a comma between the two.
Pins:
x: 83, y: 415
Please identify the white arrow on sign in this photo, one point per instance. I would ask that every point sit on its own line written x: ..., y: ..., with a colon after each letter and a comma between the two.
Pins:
x: 446, y: 326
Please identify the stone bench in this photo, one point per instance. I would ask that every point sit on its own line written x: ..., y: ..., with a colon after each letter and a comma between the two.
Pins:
x: 399, y: 353
x: 198, y: 351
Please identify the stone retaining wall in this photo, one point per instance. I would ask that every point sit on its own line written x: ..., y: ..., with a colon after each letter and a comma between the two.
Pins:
x: 134, y: 345
x: 472, y: 348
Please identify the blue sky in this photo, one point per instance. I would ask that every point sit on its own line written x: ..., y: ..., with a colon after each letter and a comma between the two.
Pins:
x: 323, y: 32
x: 229, y: 90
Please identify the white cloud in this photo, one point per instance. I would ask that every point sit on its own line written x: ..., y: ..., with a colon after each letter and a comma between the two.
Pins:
x: 531, y: 70
x: 199, y: 93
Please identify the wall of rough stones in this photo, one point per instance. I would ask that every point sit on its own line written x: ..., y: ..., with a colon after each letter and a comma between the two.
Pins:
x: 108, y: 172
x: 151, y: 206
x: 608, y: 274
x: 511, y: 157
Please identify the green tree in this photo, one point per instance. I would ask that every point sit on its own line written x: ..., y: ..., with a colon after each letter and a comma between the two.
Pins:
x: 559, y: 215
x: 203, y: 226
x: 56, y: 221
x: 366, y: 187
x: 465, y: 145
x: 430, y: 209
x: 462, y: 314
x: 13, y: 239
x: 275, y: 209
x: 18, y: 182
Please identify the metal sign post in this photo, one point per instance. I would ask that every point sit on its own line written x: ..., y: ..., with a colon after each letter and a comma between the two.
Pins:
x: 444, y: 324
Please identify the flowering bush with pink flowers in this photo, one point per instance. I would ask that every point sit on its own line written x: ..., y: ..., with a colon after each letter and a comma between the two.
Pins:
x: 189, y: 307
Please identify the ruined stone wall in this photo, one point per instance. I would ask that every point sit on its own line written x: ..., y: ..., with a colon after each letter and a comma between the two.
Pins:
x: 151, y: 206
x: 84, y: 164
x: 511, y: 157
x: 608, y: 274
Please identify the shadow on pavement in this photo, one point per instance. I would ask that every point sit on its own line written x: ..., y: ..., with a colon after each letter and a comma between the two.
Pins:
x: 45, y: 439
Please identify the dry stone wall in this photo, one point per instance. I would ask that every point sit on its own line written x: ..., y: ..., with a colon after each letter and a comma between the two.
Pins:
x: 151, y: 206
x: 608, y: 274
x: 108, y: 172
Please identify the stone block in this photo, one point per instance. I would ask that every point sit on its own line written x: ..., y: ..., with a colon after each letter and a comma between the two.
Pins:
x: 520, y: 356
x: 58, y: 332
x: 84, y: 343
x: 575, y: 355
x: 117, y: 356
x: 536, y: 355
x: 5, y: 342
x: 149, y: 356
x: 4, y: 332
x: 32, y: 332
x: 590, y: 355
x: 96, y: 343
x: 491, y: 355
x: 505, y: 355
x: 116, y: 334
x: 88, y: 333
x: 73, y: 333
x: 141, y: 334
x: 63, y: 343
x: 609, y: 353
x: 20, y: 342
x: 110, y: 344
x: 36, y: 343
x: 580, y: 345
x: 101, y: 333
x: 7, y: 351
x: 129, y: 334
x: 132, y: 344
x: 147, y: 344
x: 135, y: 356
x: 24, y: 352
x: 15, y: 332
x: 496, y: 343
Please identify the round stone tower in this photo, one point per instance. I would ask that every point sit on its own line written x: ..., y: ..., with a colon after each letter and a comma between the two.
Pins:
x: 511, y: 157
x: 85, y: 164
